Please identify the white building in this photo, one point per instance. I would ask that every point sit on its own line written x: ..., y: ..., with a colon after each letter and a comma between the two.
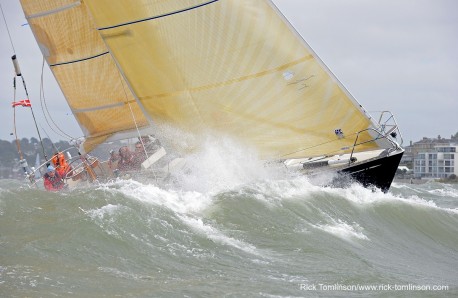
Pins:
x: 439, y: 163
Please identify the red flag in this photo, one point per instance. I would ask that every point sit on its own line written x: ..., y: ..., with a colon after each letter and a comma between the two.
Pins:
x: 24, y: 103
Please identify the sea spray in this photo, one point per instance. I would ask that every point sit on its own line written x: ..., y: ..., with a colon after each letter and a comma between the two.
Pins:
x: 223, y: 164
x: 265, y: 237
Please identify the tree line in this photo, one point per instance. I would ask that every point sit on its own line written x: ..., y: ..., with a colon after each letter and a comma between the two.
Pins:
x: 9, y: 154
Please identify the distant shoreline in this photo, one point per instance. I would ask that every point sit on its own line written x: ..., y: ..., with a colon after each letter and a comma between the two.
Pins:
x: 423, y: 181
x: 410, y: 181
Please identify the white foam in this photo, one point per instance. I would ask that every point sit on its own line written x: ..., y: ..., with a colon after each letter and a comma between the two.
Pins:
x: 453, y: 193
x: 123, y: 274
x: 217, y: 236
x: 186, y: 205
x: 362, y: 196
x: 100, y: 213
x: 405, y: 186
x: 343, y: 230
x: 294, y: 187
x: 179, y: 201
x: 224, y: 164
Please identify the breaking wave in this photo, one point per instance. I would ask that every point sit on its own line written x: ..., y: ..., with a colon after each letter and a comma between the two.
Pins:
x: 229, y: 229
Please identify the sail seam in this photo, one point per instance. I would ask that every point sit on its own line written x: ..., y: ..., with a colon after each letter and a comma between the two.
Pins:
x: 53, y: 11
x: 79, y: 60
x: 235, y: 80
x: 117, y: 131
x: 158, y: 16
x: 114, y: 105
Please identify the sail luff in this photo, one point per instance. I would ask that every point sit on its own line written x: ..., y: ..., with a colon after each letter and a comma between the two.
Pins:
x: 382, y: 142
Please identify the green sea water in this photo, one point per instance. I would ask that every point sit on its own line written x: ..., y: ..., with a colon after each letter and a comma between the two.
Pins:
x: 266, y: 238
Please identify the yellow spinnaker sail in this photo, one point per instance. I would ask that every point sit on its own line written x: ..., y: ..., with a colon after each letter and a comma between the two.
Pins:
x: 231, y: 66
x: 95, y: 91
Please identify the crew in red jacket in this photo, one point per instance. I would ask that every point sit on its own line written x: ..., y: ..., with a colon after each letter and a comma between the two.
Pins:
x: 52, y: 180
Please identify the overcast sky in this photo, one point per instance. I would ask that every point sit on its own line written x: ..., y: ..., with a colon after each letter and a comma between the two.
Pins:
x: 396, y: 55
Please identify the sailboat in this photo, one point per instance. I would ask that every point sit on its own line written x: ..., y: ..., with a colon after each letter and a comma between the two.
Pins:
x: 236, y: 68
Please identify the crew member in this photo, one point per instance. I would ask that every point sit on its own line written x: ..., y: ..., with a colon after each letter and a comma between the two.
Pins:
x: 60, y: 164
x: 53, y: 180
x: 150, y: 143
x: 126, y: 159
x: 139, y: 156
x: 114, y: 157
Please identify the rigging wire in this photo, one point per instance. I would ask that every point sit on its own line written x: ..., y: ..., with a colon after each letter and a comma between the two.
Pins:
x: 7, y: 29
x: 52, y: 143
x: 18, y: 74
x: 31, y: 109
x: 22, y: 161
x: 18, y: 144
x: 132, y: 112
x: 44, y: 107
x: 133, y: 117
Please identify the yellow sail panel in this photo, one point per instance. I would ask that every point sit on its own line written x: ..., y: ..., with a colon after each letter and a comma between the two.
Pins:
x: 95, y: 91
x: 34, y: 8
x: 234, y: 67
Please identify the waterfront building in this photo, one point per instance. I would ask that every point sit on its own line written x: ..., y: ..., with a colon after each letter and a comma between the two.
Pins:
x: 437, y: 163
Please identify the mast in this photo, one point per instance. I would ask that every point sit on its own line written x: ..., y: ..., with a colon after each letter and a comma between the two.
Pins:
x: 19, y: 74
